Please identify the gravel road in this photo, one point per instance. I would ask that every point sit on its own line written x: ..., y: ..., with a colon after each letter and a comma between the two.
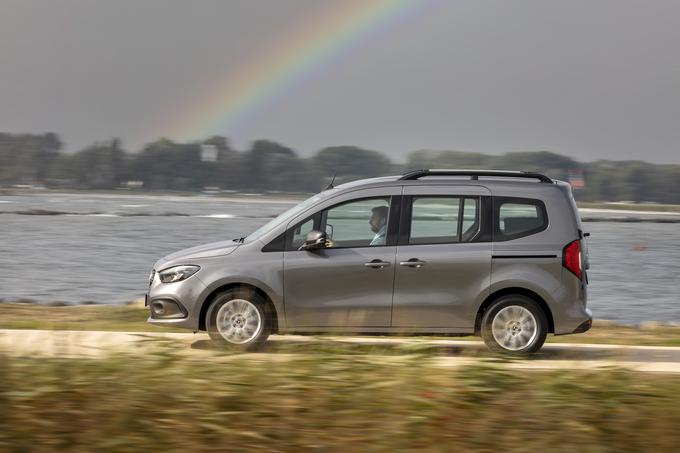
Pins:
x: 94, y: 344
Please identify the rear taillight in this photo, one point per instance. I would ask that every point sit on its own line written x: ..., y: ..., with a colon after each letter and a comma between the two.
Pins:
x: 571, y: 258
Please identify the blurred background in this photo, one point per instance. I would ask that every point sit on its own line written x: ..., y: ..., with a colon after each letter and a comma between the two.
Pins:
x: 131, y: 129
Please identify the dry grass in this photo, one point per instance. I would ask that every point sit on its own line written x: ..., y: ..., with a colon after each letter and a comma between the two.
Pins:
x: 327, y: 401
x: 604, y: 332
x: 119, y: 318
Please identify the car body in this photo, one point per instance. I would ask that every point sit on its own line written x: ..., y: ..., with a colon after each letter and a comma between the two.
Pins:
x: 448, y: 246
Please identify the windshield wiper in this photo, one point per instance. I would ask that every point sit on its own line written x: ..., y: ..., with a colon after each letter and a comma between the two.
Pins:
x: 240, y: 240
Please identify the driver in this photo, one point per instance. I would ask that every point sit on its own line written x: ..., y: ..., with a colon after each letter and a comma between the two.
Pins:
x: 378, y: 223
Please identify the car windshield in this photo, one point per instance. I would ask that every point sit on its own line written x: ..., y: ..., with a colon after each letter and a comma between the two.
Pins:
x: 286, y: 216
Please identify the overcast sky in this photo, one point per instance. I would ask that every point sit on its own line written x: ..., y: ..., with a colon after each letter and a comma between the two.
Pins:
x: 585, y: 78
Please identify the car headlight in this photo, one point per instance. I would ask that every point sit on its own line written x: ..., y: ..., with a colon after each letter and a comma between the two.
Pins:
x: 177, y: 273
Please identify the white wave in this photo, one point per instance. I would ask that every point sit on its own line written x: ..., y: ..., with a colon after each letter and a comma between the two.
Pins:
x: 6, y: 201
x: 627, y: 212
x: 217, y: 216
x: 102, y: 215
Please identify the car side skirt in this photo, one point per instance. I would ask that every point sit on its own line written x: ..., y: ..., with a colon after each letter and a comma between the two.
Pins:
x: 377, y: 330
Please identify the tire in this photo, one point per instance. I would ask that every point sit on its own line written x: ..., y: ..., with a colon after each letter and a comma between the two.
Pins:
x: 514, y: 324
x: 239, y: 318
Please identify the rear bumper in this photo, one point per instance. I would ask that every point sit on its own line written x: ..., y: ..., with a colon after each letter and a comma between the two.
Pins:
x: 575, y: 324
x: 584, y: 326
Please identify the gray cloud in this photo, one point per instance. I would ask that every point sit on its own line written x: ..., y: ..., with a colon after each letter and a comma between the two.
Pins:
x: 589, y: 79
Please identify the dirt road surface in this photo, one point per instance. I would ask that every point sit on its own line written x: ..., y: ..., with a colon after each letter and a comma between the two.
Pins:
x: 452, y: 353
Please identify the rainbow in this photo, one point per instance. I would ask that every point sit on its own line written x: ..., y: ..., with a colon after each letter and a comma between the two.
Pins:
x: 237, y: 95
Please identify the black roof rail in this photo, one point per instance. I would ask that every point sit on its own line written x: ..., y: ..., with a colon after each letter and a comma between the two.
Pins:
x: 474, y: 174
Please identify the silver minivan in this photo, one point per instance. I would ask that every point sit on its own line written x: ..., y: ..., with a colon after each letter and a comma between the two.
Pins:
x: 453, y: 252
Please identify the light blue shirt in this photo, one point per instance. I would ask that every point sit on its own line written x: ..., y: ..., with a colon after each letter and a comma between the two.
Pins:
x: 379, y: 238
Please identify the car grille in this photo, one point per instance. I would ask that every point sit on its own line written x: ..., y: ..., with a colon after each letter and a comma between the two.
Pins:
x: 153, y: 273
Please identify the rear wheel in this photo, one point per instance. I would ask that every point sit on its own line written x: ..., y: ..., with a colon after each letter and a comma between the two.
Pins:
x: 514, y: 324
x: 239, y: 318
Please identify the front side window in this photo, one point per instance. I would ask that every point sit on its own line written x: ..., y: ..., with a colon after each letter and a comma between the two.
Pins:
x: 360, y: 223
x: 289, y: 214
x: 299, y: 234
x: 519, y: 217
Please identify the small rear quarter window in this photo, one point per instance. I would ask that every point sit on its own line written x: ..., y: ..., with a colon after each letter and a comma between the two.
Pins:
x: 518, y: 217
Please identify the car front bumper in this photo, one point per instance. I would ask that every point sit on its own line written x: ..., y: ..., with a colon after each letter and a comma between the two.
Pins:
x: 179, y: 300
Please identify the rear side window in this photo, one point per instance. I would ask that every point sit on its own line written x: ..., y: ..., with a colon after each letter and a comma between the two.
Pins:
x: 518, y: 217
x: 434, y: 220
x: 443, y: 220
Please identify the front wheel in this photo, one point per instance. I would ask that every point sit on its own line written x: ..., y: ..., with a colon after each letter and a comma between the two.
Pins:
x: 514, y: 324
x: 239, y: 318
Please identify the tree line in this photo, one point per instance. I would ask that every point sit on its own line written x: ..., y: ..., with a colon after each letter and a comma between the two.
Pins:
x: 271, y: 166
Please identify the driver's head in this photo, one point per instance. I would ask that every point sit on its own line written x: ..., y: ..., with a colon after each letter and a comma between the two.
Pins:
x: 378, y: 218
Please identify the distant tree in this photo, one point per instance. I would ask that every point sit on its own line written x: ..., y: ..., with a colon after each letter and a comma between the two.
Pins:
x: 537, y: 160
x: 26, y: 158
x: 551, y: 164
x: 639, y: 182
x: 99, y: 166
x: 601, y: 182
x: 446, y: 159
x: 347, y: 162
x: 667, y: 180
x: 225, y: 172
x: 267, y: 165
x: 222, y: 143
x: 164, y: 164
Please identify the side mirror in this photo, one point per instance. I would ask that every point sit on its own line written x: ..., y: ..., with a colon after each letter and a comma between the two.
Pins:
x: 315, y: 240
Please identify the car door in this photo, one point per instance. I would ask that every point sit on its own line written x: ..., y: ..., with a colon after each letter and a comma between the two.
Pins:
x: 443, y: 256
x: 350, y: 282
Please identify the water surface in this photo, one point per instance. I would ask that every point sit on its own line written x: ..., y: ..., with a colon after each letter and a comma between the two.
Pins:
x: 97, y: 248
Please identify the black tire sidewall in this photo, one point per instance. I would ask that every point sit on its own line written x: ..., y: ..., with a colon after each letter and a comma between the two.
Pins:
x: 521, y: 301
x: 252, y: 297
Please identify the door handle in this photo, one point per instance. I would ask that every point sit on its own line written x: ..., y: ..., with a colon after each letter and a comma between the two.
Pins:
x: 377, y: 264
x: 413, y: 262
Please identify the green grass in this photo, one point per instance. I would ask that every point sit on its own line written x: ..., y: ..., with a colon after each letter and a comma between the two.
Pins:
x: 327, y: 401
x: 119, y: 318
x: 609, y: 333
x: 133, y: 319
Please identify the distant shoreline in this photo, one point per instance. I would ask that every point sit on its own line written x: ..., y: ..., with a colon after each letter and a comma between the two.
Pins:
x: 590, y: 211
x: 292, y: 197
